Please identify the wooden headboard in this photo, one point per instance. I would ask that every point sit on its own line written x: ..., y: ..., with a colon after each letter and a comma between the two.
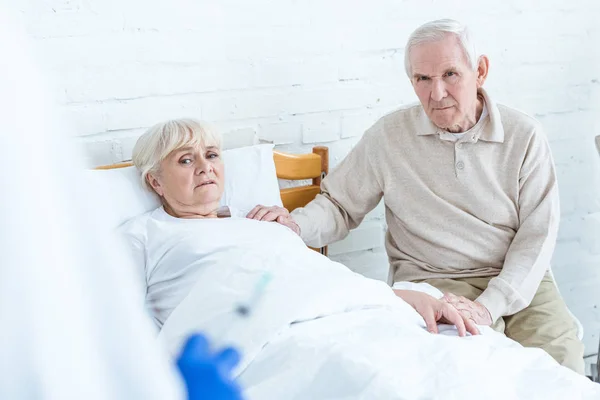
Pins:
x: 294, y: 167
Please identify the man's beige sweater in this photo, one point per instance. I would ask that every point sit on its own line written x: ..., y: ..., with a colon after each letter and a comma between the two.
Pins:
x: 485, y: 205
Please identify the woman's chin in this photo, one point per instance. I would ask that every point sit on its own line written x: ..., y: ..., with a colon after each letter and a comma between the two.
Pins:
x: 208, y: 194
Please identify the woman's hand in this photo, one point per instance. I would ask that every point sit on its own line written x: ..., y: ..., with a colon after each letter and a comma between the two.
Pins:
x: 435, y: 311
x: 274, y: 214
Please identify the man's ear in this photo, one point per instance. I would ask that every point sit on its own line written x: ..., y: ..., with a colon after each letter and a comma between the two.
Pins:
x: 483, y: 67
x: 154, y: 183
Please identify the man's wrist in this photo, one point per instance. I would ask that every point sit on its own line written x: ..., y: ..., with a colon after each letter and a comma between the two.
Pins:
x: 485, y: 310
x: 494, y: 301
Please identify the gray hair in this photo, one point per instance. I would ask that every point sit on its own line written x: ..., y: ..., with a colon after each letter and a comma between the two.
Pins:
x: 165, y: 137
x: 437, y: 30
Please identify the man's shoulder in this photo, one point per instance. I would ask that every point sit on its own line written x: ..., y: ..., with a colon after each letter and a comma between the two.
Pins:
x: 397, y: 122
x: 517, y: 121
x: 406, y: 115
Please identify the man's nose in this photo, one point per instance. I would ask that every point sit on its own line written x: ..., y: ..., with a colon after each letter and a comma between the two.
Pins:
x: 438, y: 90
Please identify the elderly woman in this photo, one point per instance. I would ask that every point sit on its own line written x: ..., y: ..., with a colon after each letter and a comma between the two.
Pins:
x: 200, y: 262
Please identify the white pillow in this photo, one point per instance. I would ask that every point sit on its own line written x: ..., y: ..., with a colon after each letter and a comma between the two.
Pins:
x: 250, y: 179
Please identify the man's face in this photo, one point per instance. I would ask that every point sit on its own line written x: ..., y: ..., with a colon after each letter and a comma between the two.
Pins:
x: 445, y: 83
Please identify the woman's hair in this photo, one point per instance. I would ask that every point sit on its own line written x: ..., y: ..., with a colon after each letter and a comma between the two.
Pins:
x: 161, y: 139
x: 437, y: 30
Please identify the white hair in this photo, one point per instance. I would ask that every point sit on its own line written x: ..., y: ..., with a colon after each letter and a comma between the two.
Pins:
x: 438, y: 30
x: 165, y: 137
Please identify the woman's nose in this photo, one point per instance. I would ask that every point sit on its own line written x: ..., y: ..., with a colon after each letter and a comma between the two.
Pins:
x: 203, y: 166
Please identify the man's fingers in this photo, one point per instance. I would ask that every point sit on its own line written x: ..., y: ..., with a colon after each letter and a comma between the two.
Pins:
x: 253, y: 212
x: 269, y: 216
x: 277, y: 212
x: 454, y: 317
x: 471, y: 321
x: 471, y: 327
x: 261, y: 213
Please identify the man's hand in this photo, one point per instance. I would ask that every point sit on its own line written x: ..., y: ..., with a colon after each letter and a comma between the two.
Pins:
x: 274, y: 214
x: 435, y: 311
x: 471, y: 310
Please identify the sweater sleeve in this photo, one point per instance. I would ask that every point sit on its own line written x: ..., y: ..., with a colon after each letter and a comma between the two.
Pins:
x: 528, y: 257
x: 348, y: 193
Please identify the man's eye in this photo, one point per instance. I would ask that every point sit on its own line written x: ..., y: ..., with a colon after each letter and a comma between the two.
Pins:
x: 450, y: 73
x: 422, y: 78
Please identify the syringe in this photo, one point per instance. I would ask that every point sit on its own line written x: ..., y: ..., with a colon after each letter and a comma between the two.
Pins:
x: 245, y: 309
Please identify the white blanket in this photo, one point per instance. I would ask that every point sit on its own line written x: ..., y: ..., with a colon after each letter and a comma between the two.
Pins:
x: 323, y: 332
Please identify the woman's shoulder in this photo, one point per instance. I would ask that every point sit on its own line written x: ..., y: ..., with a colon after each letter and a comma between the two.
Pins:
x: 137, y: 227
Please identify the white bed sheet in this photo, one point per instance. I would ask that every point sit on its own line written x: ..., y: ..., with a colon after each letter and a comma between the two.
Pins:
x: 324, y: 332
x: 373, y: 354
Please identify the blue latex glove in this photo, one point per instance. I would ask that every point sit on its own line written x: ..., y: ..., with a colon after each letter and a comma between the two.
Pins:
x: 208, y: 375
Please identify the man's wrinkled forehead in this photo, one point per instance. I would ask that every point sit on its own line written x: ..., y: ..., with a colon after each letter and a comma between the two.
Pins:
x: 437, y: 57
x: 436, y: 68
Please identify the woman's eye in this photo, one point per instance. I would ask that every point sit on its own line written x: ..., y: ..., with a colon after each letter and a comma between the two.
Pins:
x: 186, y: 161
x: 213, y: 155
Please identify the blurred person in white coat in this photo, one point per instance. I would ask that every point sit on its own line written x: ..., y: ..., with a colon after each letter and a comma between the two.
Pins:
x: 71, y: 326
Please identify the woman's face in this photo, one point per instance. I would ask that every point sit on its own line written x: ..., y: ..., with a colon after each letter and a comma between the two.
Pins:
x: 191, y: 179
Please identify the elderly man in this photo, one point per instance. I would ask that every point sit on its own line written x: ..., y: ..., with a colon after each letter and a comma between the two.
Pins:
x: 470, y: 193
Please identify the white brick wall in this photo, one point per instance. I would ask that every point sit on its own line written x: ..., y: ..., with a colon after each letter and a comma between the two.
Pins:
x: 303, y: 72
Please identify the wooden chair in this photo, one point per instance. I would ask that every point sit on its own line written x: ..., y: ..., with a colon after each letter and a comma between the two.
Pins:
x: 313, y: 166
